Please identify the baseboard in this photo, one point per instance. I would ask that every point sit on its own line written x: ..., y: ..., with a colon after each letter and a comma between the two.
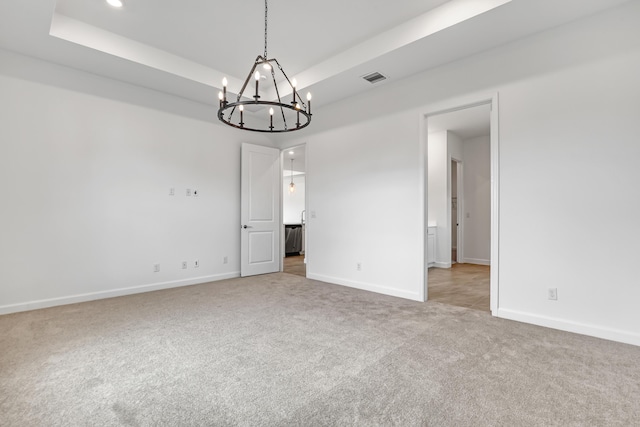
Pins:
x: 73, y: 299
x: 414, y: 296
x: 569, y: 326
x: 476, y: 261
x: 442, y: 264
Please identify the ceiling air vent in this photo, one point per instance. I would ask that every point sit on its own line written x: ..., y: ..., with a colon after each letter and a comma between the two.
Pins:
x: 374, y: 77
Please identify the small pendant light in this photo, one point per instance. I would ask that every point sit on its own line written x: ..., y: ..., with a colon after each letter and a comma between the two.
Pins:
x: 292, y: 186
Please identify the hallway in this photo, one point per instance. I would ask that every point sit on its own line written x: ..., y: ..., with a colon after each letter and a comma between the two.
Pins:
x: 462, y: 285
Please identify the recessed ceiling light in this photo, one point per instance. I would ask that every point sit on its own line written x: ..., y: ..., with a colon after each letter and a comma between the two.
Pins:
x: 291, y: 152
x: 115, y: 3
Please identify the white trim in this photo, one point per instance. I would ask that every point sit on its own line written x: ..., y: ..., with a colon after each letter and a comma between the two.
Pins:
x: 92, y: 296
x: 442, y: 264
x: 476, y: 261
x: 495, y: 205
x: 423, y: 210
x: 459, y: 211
x: 570, y: 326
x: 414, y: 296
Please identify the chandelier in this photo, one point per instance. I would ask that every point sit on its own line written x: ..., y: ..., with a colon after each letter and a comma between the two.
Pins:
x: 290, y: 115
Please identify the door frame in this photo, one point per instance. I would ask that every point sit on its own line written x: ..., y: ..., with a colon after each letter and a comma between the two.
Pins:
x: 303, y: 146
x: 459, y: 209
x: 448, y: 107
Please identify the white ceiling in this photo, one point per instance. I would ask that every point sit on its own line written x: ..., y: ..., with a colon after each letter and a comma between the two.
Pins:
x: 186, y: 47
x: 227, y: 35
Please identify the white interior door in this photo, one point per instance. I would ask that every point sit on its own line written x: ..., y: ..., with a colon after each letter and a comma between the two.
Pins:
x: 260, y: 210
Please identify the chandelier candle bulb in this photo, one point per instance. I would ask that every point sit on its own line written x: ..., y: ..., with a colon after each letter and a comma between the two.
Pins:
x: 257, y: 76
x: 271, y: 118
x: 224, y: 89
x: 241, y: 108
x: 309, y: 101
x: 294, y: 83
x: 220, y: 97
x: 298, y: 114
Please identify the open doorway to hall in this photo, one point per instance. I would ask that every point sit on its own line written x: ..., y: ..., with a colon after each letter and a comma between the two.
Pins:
x: 293, y: 210
x: 459, y: 207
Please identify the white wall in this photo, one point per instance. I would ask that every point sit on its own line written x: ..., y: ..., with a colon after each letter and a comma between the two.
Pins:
x: 85, y: 179
x: 568, y: 146
x: 363, y: 206
x: 293, y: 203
x: 477, y: 200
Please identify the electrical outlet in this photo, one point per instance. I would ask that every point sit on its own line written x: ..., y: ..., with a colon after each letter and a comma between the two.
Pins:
x: 196, y: 264
x: 225, y: 260
x: 184, y: 265
x: 359, y: 266
x: 553, y: 294
x: 156, y: 268
x: 195, y: 193
x: 188, y: 192
x: 172, y: 191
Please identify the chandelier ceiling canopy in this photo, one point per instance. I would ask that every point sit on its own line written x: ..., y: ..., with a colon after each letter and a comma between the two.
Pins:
x: 284, y: 115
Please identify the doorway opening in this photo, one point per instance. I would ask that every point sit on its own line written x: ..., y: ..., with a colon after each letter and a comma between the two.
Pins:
x: 294, y: 227
x: 461, y: 179
x: 456, y: 200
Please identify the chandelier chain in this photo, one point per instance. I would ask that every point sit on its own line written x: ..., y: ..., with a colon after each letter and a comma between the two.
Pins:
x: 265, y: 29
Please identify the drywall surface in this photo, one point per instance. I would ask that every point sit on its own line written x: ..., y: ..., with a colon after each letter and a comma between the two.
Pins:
x: 568, y: 146
x: 363, y: 207
x: 477, y: 200
x: 363, y: 211
x: 86, y: 180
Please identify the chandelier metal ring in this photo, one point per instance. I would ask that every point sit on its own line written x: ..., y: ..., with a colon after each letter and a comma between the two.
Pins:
x: 240, y: 125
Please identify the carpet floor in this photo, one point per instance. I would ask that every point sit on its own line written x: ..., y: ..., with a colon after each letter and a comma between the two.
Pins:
x: 282, y: 350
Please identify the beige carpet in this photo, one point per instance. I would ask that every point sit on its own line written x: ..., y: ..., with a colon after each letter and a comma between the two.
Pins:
x: 283, y: 350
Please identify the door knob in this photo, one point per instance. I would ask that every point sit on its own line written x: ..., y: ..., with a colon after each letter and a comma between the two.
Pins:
x: 246, y: 226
